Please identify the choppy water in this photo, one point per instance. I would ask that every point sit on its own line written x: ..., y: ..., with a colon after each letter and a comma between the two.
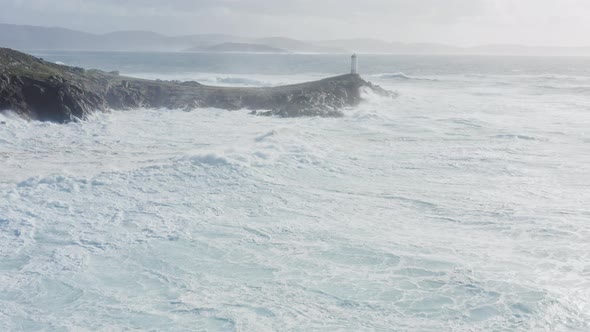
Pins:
x: 461, y: 205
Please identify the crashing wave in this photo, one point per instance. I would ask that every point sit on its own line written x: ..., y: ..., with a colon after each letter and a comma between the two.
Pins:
x: 402, y: 76
x: 240, y: 81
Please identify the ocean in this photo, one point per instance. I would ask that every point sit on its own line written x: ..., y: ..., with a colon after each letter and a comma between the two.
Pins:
x: 460, y: 205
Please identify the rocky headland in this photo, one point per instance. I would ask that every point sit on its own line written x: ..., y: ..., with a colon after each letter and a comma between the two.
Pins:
x: 40, y: 90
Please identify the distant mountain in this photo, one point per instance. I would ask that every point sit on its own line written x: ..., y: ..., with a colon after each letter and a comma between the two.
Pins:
x: 31, y: 37
x: 298, y: 46
x: 358, y: 45
x: 379, y: 46
x: 210, y: 39
x: 23, y: 37
x: 137, y: 40
x: 237, y: 48
x: 506, y: 49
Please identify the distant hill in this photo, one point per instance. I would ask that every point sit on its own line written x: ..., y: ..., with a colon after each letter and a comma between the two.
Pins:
x: 237, y: 48
x: 506, y: 49
x: 136, y: 39
x: 209, y: 39
x: 31, y: 37
x: 379, y: 46
x: 23, y: 37
x: 298, y: 46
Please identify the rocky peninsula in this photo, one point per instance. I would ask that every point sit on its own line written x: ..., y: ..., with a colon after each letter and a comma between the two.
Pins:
x: 41, y: 90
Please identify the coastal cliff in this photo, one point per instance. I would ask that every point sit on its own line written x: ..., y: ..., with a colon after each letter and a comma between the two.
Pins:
x: 40, y: 90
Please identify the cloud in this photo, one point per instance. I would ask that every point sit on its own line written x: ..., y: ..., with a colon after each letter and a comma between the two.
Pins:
x: 450, y: 21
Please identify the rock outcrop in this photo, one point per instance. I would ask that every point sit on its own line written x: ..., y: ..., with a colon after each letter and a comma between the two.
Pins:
x: 40, y: 90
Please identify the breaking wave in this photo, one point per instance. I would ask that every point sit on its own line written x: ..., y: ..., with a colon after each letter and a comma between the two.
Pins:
x: 241, y: 81
x: 403, y: 77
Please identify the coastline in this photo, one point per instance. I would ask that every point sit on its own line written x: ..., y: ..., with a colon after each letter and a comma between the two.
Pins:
x: 40, y: 90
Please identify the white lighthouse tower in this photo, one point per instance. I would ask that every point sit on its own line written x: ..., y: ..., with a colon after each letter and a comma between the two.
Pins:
x: 354, y: 66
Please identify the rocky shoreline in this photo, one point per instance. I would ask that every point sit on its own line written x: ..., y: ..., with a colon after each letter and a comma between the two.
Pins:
x: 40, y: 90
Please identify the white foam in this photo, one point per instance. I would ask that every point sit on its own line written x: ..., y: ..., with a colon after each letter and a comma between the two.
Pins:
x: 217, y: 79
x: 425, y: 212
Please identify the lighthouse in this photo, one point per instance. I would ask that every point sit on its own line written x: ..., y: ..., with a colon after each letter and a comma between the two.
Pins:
x: 354, y: 66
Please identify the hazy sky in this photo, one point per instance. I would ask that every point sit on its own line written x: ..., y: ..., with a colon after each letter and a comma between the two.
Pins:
x: 459, y: 22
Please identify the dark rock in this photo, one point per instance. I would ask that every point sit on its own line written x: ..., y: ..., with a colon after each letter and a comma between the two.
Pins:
x: 191, y: 83
x: 41, y: 90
